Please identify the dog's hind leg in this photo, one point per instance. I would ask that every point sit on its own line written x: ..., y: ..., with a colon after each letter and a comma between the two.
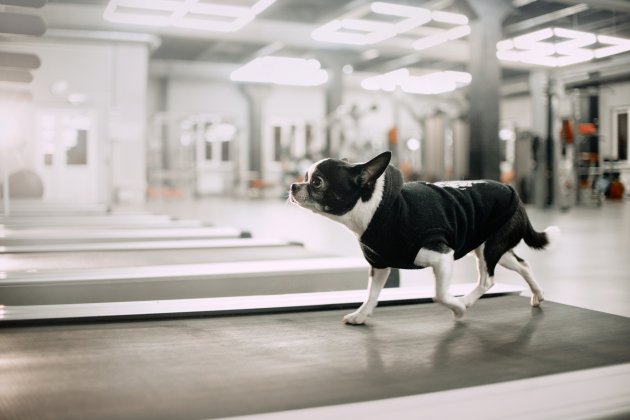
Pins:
x: 442, y: 264
x: 376, y: 281
x: 513, y: 262
x: 484, y: 281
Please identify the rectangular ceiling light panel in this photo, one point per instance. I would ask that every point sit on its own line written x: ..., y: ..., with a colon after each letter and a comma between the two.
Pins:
x: 354, y: 28
x: 427, y: 84
x: 193, y: 14
x: 281, y: 71
x: 559, y: 47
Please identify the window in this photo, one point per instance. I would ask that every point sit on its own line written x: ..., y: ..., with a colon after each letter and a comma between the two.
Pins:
x: 621, y: 127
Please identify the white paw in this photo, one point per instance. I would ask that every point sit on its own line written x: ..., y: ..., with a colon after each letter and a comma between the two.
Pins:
x: 458, y: 312
x: 467, y: 302
x: 356, y: 318
x: 536, y: 299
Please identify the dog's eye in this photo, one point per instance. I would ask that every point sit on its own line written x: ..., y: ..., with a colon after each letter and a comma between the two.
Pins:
x: 317, y: 182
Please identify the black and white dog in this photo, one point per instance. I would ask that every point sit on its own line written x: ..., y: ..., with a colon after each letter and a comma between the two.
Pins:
x: 417, y: 224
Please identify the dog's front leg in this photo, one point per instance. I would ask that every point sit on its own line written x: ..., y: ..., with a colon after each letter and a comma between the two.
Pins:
x: 441, y: 260
x: 376, y: 281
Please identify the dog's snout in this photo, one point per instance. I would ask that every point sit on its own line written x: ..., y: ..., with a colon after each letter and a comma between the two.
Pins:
x: 294, y: 188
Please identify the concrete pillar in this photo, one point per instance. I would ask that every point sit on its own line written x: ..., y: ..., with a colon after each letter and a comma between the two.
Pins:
x: 485, y: 152
x: 255, y: 96
x: 539, y: 88
x: 127, y: 122
x: 334, y: 98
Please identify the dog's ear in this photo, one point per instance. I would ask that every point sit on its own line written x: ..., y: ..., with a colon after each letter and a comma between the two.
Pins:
x: 370, y: 171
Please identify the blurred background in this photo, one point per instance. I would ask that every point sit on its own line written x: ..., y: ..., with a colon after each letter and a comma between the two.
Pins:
x: 132, y: 102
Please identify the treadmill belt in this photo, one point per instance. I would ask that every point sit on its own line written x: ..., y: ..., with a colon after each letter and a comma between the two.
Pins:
x: 101, y: 259
x: 237, y: 365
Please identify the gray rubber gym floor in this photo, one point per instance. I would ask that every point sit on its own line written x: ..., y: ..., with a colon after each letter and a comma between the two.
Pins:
x: 224, y: 366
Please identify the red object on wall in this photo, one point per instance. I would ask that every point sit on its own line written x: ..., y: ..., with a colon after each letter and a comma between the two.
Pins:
x: 587, y: 128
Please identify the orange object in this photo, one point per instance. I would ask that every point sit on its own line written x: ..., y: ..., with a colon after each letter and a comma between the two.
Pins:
x: 567, y: 131
x: 616, y: 190
x: 587, y: 128
x: 392, y: 135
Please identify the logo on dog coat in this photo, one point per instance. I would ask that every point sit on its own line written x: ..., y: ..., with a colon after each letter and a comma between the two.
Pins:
x: 460, y: 185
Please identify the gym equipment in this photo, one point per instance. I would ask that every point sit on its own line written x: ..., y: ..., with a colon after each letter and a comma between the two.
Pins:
x: 181, y: 244
x: 44, y: 236
x: 238, y: 365
x: 182, y: 281
x: 97, y: 222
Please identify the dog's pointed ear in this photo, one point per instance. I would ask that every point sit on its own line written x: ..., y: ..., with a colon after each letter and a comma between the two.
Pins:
x: 370, y: 171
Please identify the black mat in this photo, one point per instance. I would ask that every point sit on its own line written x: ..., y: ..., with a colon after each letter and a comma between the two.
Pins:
x: 204, y: 368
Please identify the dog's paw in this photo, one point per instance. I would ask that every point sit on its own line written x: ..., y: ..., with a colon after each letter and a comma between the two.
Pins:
x: 536, y: 299
x: 467, y: 302
x: 355, y: 318
x: 458, y: 313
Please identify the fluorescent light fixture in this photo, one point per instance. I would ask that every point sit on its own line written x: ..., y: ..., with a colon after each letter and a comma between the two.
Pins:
x: 220, y: 132
x: 333, y: 32
x: 441, y: 37
x: 427, y: 84
x: 458, y: 32
x: 430, y: 41
x: 505, y: 45
x: 506, y: 134
x: 354, y: 31
x: 281, y: 71
x: 143, y: 12
x: 576, y: 39
x: 559, y: 47
x: 192, y: 14
x: 413, y: 16
x: 616, y: 46
x: 413, y: 144
x: 532, y: 39
x: 357, y: 30
x: 448, y: 17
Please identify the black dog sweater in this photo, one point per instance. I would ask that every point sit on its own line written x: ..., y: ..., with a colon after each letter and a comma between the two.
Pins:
x: 460, y: 214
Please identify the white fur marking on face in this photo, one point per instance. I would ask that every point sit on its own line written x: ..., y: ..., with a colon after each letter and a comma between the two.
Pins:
x: 358, y: 219
x: 313, y: 167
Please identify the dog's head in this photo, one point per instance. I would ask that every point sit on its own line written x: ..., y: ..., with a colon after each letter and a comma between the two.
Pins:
x: 334, y: 187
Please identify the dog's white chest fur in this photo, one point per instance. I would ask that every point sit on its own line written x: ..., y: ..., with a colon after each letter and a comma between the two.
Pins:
x: 358, y: 219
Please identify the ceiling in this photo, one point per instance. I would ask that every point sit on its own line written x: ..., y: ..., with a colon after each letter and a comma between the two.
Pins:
x: 285, y: 28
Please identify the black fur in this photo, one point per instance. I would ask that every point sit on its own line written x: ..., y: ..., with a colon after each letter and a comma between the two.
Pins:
x: 510, y: 234
x: 344, y: 184
x: 340, y: 191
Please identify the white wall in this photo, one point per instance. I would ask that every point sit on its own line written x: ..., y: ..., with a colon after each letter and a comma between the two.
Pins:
x: 113, y: 79
x: 516, y: 111
x: 210, y: 97
x: 368, y: 134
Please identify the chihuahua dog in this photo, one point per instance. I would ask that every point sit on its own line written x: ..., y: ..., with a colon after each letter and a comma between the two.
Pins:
x: 418, y: 224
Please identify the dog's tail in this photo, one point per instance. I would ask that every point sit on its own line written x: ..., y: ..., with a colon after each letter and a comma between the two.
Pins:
x: 541, y: 240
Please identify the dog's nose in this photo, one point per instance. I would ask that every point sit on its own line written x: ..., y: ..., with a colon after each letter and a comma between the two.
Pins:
x: 294, y: 188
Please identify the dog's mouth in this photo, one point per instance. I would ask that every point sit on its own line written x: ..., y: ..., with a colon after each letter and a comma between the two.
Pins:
x: 294, y: 200
x: 306, y: 203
